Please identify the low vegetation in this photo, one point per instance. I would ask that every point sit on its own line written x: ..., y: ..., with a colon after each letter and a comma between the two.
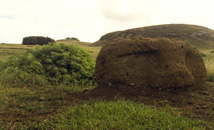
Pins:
x: 31, y: 98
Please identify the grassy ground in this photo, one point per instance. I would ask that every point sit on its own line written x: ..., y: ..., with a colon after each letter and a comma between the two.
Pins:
x: 18, y: 106
x: 209, y: 62
x: 8, y: 50
x: 46, y: 107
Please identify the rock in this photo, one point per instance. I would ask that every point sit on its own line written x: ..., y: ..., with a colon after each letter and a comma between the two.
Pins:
x: 150, y: 63
x: 132, y: 84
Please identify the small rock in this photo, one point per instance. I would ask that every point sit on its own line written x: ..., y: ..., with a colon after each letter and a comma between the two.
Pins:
x: 41, y: 98
x: 109, y: 84
x: 205, y: 93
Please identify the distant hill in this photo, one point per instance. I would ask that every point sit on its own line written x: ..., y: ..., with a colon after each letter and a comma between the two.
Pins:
x: 86, y: 45
x: 71, y: 41
x: 198, y: 36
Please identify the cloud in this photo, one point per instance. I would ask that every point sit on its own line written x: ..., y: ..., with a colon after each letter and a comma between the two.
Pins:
x: 89, y: 20
x: 125, y: 10
x: 125, y: 14
x: 56, y: 19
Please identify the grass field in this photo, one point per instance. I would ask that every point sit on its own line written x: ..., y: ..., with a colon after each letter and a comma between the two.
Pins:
x: 8, y: 50
x: 48, y: 107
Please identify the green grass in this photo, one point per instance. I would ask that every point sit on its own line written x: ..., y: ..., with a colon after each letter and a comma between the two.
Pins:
x: 124, y: 115
x: 209, y: 63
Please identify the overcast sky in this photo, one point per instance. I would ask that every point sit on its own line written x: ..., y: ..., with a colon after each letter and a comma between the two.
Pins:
x: 88, y: 20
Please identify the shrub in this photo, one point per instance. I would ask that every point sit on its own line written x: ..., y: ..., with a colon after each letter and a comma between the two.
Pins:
x: 58, y: 63
x: 36, y: 40
x: 76, y: 39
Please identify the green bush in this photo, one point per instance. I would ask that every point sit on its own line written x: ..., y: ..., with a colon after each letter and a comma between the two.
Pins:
x: 58, y: 63
x: 36, y: 40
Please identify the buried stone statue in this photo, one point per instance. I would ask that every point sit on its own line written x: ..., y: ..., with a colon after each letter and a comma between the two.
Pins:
x: 165, y: 64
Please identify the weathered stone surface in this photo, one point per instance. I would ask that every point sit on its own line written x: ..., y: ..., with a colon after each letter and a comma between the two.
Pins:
x: 154, y: 63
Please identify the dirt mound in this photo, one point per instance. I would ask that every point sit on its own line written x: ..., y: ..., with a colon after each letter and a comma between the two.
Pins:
x: 197, y: 35
x: 162, y: 64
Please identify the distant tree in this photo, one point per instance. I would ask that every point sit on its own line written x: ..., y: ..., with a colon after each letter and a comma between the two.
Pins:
x: 76, y: 39
x: 36, y: 40
x: 67, y: 38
